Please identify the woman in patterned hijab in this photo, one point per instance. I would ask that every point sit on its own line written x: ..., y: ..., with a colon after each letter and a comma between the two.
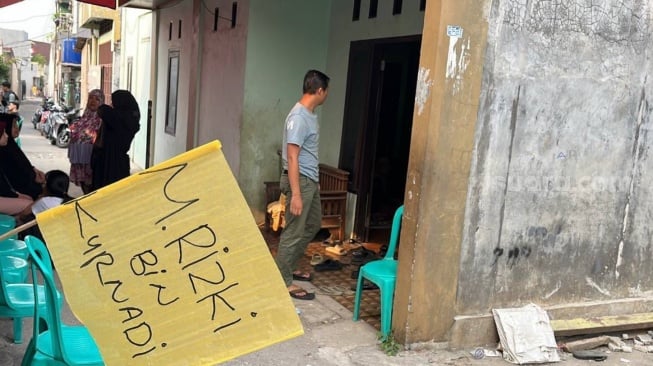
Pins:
x: 83, y: 134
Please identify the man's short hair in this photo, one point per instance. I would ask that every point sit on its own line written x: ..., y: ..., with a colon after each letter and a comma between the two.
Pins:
x: 314, y: 80
x: 7, y: 84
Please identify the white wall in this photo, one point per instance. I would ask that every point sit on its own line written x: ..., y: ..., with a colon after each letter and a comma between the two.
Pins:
x: 136, y: 44
x: 342, y: 31
x: 168, y: 145
x: 222, y: 78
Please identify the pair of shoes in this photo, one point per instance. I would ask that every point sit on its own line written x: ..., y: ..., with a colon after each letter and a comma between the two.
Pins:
x: 337, y: 250
x: 366, y: 286
x: 316, y: 259
x: 301, y: 294
x: 328, y: 265
x: 302, y: 277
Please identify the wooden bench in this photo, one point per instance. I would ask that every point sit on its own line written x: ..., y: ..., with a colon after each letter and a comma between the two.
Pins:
x: 333, y: 198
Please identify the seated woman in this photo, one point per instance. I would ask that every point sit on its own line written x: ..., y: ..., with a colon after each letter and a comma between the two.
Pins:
x: 20, y: 182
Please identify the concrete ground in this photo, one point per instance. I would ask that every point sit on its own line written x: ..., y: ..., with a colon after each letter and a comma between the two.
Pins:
x: 331, y: 338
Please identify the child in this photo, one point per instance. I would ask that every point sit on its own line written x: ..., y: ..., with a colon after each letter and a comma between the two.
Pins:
x: 54, y: 194
x: 55, y: 191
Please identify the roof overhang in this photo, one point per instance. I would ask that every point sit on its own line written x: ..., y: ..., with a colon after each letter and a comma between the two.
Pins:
x: 111, y: 4
x: 144, y: 4
x: 81, y: 36
x: 4, y: 3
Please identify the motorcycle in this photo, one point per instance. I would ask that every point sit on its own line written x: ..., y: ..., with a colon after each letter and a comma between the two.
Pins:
x: 47, y: 127
x: 44, y: 108
x: 60, y: 127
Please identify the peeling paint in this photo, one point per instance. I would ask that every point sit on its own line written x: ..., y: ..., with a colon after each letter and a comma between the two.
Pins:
x: 620, y: 259
x: 410, y: 195
x: 457, y: 62
x: 558, y: 286
x: 597, y: 287
x: 423, y: 89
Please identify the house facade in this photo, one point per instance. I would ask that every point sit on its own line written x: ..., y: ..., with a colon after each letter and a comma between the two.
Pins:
x: 515, y: 134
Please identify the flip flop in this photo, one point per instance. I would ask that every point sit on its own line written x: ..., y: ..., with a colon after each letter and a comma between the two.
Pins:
x: 328, y: 265
x: 363, y: 254
x: 302, y: 277
x: 335, y: 291
x: 306, y: 295
x: 330, y: 290
x: 316, y: 259
x: 590, y: 355
x: 337, y: 250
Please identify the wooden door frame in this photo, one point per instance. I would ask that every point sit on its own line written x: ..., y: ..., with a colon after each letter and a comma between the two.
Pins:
x: 362, y: 168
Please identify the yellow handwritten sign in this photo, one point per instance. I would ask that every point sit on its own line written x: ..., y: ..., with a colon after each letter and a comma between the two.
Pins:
x: 167, y: 267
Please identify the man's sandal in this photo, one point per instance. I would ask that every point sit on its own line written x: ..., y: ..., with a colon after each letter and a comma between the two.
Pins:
x: 301, y: 294
x: 302, y: 276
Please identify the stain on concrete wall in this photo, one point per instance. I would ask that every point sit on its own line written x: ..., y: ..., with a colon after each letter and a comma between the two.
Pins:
x: 559, y: 207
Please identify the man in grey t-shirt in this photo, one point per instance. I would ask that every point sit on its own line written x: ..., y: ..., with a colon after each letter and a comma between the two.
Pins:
x: 300, y: 182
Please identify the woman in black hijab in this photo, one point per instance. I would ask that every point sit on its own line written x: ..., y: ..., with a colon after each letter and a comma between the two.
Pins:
x: 16, y: 169
x: 109, y: 161
x: 20, y: 182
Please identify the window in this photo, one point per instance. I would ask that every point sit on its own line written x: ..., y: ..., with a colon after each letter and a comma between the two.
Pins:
x: 171, y: 100
x: 374, y: 5
x: 396, y: 7
x: 357, y: 11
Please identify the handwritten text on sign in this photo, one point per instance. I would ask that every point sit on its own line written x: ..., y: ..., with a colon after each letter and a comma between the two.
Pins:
x: 168, y: 266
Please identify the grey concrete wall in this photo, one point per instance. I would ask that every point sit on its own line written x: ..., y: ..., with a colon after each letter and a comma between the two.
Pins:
x: 559, y: 204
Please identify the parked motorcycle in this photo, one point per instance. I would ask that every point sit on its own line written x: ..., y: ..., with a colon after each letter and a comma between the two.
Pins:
x: 38, y: 114
x: 47, y: 127
x: 60, y: 127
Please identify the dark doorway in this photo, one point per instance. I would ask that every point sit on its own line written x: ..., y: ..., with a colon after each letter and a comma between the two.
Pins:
x: 377, y: 126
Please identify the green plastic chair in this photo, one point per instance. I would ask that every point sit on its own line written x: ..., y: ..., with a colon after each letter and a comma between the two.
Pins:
x: 7, y: 223
x: 15, y: 248
x: 53, y: 342
x: 16, y: 299
x: 383, y: 273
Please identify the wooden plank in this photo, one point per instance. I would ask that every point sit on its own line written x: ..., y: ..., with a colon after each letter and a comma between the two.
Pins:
x: 603, y: 324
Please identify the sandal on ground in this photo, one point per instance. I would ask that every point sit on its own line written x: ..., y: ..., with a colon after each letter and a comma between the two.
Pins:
x: 590, y: 355
x: 337, y: 250
x: 302, y: 277
x: 316, y: 259
x: 301, y: 294
x: 335, y: 291
x: 366, y: 286
x: 330, y: 290
x: 328, y: 265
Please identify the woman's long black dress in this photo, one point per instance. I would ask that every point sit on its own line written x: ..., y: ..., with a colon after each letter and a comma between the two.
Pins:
x: 109, y: 161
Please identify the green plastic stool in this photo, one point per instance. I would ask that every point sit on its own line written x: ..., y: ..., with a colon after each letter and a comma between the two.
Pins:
x: 382, y: 273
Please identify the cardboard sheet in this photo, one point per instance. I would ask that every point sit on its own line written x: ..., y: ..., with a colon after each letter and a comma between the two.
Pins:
x: 168, y: 267
x: 526, y: 335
